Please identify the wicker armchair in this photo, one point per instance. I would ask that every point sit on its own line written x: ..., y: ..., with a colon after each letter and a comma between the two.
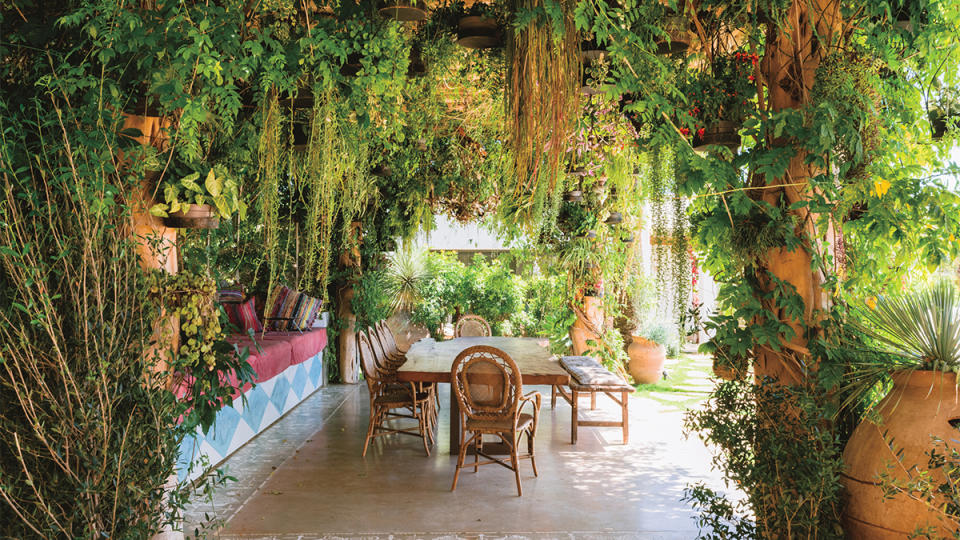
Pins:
x: 487, y: 384
x: 388, y: 397
x: 472, y: 326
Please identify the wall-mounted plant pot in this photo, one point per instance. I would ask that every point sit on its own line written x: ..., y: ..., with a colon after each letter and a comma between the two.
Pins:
x: 478, y: 33
x: 615, y: 218
x: 722, y: 132
x: 573, y: 196
x: 628, y: 239
x: 590, y: 51
x: 199, y: 216
x: 577, y: 171
x: 381, y: 170
x: 589, y: 235
x: 677, y: 28
x: 352, y: 66
x: 938, y: 122
x: 403, y: 10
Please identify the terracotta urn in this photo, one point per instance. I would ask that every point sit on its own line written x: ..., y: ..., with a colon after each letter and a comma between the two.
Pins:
x: 646, y: 360
x: 921, y: 405
x: 583, y: 329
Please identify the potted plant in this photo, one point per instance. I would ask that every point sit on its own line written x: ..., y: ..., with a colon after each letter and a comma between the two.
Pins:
x: 720, y: 100
x: 922, y: 330
x: 189, y: 202
x: 648, y: 354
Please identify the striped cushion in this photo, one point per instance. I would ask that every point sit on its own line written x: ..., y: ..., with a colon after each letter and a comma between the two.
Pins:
x: 277, y: 308
x: 305, y: 313
x: 248, y: 317
x: 233, y: 313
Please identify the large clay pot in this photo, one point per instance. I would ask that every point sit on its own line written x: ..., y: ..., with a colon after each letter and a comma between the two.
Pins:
x: 920, y: 405
x: 646, y: 360
x: 582, y: 329
x: 199, y: 216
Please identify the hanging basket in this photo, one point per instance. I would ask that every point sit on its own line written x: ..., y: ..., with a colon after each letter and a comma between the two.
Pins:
x: 628, y: 239
x: 589, y: 235
x: 722, y: 132
x: 677, y: 28
x: 573, y: 196
x: 478, y: 33
x: 615, y: 218
x: 199, y: 216
x: 590, y: 51
x: 939, y: 121
x: 404, y: 10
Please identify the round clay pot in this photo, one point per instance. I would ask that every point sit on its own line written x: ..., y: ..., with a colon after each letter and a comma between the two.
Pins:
x: 478, y: 33
x: 199, y: 216
x: 722, y: 132
x: 403, y: 10
x: 920, y: 405
x: 646, y: 360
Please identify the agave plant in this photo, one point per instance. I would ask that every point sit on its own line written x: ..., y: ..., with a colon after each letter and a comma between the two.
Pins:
x: 922, y: 327
x: 407, y: 274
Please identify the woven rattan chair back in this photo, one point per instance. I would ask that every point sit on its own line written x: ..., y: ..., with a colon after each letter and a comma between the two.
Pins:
x: 386, y: 338
x: 379, y: 354
x: 368, y: 362
x: 487, y: 383
x: 472, y: 326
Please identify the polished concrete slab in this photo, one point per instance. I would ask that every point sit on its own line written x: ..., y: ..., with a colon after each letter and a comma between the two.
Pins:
x: 304, y: 478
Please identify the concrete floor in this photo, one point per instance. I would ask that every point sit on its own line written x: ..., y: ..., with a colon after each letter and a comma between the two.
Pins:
x: 304, y: 478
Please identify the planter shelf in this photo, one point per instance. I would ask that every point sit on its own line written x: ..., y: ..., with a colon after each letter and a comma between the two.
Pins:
x: 478, y: 33
x: 199, y: 216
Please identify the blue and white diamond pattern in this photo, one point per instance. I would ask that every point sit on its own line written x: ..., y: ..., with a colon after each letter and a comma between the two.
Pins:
x: 237, y: 424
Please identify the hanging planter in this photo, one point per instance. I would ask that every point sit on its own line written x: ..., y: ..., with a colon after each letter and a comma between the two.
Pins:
x: 615, y: 218
x: 404, y: 10
x: 722, y: 132
x: 577, y: 171
x: 573, y: 196
x: 475, y: 32
x: 589, y: 235
x: 627, y: 239
x: 199, y: 216
x: 939, y: 121
x: 591, y: 51
x: 677, y: 28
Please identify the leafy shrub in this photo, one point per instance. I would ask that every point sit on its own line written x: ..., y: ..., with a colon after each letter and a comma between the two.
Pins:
x: 664, y: 335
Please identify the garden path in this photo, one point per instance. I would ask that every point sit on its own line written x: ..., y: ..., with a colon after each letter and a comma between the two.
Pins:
x: 304, y: 478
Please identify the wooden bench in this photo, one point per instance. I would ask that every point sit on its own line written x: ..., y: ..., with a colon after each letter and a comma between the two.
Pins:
x: 587, y: 377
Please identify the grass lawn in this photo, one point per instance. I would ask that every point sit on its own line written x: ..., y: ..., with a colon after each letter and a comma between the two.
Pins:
x: 687, y: 383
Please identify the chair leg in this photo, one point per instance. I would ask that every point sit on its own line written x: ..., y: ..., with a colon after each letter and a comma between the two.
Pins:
x: 574, y: 416
x: 374, y: 414
x: 625, y: 417
x: 553, y: 396
x: 533, y: 457
x: 515, y: 459
x: 460, y: 456
x: 422, y: 419
x: 477, y: 448
x: 593, y: 401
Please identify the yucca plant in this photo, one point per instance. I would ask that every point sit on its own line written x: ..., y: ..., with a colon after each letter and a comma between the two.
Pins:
x: 923, y: 327
x: 407, y: 274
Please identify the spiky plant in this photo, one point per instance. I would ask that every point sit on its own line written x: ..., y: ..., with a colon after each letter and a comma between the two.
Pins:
x: 407, y: 274
x: 922, y: 327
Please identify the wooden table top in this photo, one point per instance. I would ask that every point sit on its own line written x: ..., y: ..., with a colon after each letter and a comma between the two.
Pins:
x: 430, y: 361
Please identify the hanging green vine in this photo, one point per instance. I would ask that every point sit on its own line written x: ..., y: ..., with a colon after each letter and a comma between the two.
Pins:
x: 271, y: 155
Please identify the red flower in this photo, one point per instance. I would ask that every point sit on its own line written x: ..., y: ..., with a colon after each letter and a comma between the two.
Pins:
x: 684, y: 131
x: 700, y: 132
x: 750, y: 78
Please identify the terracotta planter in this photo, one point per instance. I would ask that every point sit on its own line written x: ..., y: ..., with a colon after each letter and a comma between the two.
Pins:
x: 403, y: 10
x: 678, y: 28
x: 581, y: 331
x: 646, y: 360
x: 199, y: 216
x: 478, y: 33
x: 920, y: 405
x: 722, y: 132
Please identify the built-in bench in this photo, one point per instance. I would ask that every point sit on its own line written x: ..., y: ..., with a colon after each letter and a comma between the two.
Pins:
x: 588, y: 377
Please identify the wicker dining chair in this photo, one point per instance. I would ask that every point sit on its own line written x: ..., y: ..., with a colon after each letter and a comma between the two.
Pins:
x: 388, y: 397
x: 385, y: 331
x: 487, y: 384
x: 472, y: 326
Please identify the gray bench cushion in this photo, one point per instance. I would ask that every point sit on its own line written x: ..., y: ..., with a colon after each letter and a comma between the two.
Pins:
x: 588, y: 374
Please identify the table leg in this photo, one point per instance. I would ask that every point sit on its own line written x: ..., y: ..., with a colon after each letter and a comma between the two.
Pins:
x: 454, y: 422
x: 625, y: 416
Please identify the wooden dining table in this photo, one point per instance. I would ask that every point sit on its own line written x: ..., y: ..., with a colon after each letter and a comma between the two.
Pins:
x: 430, y: 361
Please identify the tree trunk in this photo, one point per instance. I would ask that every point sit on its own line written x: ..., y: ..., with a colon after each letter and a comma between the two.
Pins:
x: 789, y: 68
x: 347, y: 342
